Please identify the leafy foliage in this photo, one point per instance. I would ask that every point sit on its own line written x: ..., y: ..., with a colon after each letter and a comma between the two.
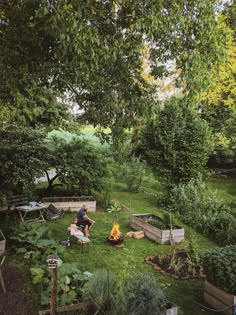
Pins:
x: 101, y: 289
x: 218, y: 103
x: 34, y: 242
x: 203, y: 210
x: 133, y: 174
x: 219, y: 267
x: 23, y: 157
x: 94, y: 51
x: 40, y: 108
x: 77, y: 163
x: 142, y: 295
x: 177, y: 143
x: 114, y: 208
x: 180, y: 264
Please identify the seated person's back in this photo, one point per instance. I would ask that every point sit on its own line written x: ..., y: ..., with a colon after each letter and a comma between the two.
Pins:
x: 84, y: 220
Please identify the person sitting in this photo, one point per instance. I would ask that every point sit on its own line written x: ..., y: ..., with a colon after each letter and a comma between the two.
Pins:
x: 74, y: 229
x: 84, y: 220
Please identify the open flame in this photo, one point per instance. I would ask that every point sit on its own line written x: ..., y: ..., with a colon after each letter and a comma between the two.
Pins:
x: 115, y: 232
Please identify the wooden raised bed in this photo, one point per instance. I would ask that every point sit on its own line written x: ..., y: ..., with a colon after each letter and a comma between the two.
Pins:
x: 140, y: 222
x: 218, y: 298
x: 72, y: 203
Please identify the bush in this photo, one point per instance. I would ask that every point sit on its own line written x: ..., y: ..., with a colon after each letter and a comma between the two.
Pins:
x: 101, y: 289
x: 142, y: 295
x: 196, y: 203
x: 219, y: 267
x: 177, y: 153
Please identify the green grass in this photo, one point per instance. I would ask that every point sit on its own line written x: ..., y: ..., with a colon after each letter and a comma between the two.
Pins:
x: 86, y: 133
x: 226, y: 187
x: 131, y: 258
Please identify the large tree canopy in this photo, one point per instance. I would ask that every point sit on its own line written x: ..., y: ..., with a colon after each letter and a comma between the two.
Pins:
x: 218, y: 104
x: 93, y: 50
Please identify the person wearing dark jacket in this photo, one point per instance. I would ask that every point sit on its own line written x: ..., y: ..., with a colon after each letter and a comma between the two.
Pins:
x: 84, y: 221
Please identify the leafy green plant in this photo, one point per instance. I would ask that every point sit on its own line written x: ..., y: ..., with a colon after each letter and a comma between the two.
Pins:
x: 101, y: 289
x: 69, y: 283
x: 200, y: 207
x: 192, y: 243
x: 164, y: 223
x: 168, y: 151
x: 141, y: 295
x: 181, y: 264
x: 35, y: 243
x: 114, y: 208
x: 220, y: 269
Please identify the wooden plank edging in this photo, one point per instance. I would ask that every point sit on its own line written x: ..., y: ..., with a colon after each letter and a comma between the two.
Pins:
x: 71, y: 307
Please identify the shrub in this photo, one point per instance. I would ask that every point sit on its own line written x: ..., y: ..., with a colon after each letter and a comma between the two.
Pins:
x: 101, y: 289
x: 220, y: 269
x: 177, y: 153
x: 196, y: 203
x: 142, y: 295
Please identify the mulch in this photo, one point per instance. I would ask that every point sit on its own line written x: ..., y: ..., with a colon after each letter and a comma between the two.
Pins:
x: 17, y: 300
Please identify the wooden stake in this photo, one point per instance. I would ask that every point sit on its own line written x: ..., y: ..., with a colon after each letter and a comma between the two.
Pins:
x: 53, y: 291
x: 172, y: 241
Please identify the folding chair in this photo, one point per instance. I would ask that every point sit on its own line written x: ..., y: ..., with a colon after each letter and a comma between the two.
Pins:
x: 53, y: 213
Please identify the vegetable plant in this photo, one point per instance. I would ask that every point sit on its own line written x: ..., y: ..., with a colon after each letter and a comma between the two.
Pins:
x: 220, y: 267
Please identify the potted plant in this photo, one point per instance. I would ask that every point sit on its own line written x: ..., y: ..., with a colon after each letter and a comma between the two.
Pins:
x: 220, y: 285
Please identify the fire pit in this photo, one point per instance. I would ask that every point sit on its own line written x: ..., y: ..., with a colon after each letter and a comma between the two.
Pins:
x: 115, y: 237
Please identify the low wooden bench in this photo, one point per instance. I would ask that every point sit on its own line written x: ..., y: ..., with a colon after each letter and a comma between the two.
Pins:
x: 83, y: 240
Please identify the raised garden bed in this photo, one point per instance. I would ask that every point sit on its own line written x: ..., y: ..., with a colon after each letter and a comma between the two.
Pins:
x: 179, y: 265
x: 72, y: 203
x: 152, y: 225
x: 218, y: 298
x: 220, y: 287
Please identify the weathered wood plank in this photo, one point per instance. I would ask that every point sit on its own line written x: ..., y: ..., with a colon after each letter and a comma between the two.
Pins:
x: 137, y: 222
x: 218, y: 298
x: 72, y: 307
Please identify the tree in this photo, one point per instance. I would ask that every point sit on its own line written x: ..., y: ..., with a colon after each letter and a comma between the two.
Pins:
x: 177, y: 143
x: 23, y: 155
x: 77, y: 164
x: 218, y: 103
x: 93, y: 50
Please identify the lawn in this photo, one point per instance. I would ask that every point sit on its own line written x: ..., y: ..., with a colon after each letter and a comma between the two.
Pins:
x: 86, y: 133
x: 226, y: 187
x: 121, y: 261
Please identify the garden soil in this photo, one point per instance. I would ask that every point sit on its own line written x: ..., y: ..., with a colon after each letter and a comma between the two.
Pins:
x: 17, y: 300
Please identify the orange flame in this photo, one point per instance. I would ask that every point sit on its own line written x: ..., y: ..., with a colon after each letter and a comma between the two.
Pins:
x: 115, y: 232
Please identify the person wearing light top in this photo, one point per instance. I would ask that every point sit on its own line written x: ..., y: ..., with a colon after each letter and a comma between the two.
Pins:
x: 74, y: 229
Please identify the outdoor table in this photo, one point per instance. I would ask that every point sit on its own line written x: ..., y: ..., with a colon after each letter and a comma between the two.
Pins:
x: 29, y: 208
